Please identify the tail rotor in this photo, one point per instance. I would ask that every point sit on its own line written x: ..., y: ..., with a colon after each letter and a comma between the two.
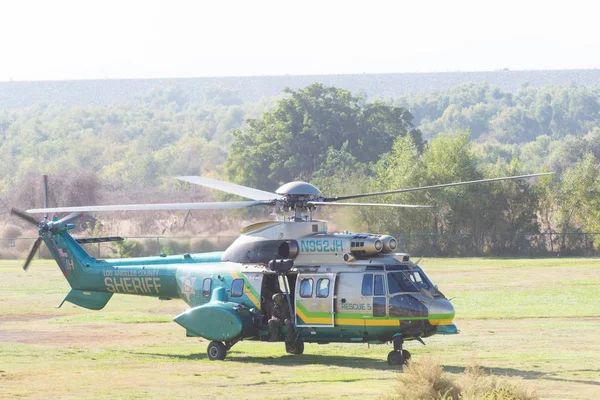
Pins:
x: 34, y: 249
x: 38, y: 241
x: 45, y: 227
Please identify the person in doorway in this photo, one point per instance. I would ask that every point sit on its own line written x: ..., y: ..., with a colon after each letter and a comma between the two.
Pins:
x: 280, y: 317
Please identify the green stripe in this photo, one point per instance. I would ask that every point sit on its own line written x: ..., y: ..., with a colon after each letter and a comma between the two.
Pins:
x: 320, y: 314
x: 312, y: 314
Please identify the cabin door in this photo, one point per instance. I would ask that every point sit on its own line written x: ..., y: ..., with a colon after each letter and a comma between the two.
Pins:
x: 314, y: 296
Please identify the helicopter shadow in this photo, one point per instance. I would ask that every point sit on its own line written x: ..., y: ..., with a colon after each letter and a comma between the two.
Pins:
x: 315, y: 359
x: 283, y: 360
x: 527, y: 375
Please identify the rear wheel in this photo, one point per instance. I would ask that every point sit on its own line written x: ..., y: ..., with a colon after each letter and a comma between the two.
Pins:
x: 294, y: 347
x: 216, y: 351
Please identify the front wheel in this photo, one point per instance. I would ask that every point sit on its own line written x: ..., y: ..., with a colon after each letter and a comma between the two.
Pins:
x: 294, y: 347
x: 216, y: 351
x: 395, y: 358
x: 405, y: 356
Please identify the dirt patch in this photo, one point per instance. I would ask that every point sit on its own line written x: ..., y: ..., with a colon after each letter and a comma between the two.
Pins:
x: 48, y: 338
x: 22, y: 318
x: 90, y: 335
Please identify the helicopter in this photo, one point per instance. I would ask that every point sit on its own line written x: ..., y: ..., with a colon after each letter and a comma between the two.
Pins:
x: 338, y: 287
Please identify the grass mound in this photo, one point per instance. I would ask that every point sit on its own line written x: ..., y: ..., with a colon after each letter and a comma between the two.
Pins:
x: 425, y: 379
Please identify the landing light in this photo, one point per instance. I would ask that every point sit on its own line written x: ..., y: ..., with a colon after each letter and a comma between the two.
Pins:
x: 349, y: 257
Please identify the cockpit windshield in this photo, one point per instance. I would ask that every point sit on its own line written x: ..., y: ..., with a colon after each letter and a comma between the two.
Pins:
x: 413, y: 280
x: 419, y: 279
x: 400, y: 282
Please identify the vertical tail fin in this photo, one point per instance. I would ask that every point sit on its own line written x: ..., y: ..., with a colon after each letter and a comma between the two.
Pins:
x: 73, y: 261
x: 70, y: 256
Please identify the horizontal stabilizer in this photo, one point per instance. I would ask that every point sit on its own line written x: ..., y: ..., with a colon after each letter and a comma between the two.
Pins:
x: 99, y: 239
x: 87, y: 299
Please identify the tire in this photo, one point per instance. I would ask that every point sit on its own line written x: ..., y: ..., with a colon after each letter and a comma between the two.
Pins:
x: 405, y: 356
x: 294, y: 347
x: 395, y: 358
x: 216, y: 351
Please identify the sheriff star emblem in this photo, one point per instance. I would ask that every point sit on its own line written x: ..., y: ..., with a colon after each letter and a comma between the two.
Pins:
x: 187, y: 286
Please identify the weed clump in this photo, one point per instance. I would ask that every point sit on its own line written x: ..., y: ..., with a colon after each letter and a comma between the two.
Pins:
x: 426, y: 380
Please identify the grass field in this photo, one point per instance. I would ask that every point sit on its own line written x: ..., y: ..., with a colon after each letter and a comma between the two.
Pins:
x: 537, y: 320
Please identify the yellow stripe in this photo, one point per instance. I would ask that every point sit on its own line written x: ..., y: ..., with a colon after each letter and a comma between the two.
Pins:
x: 247, y: 291
x: 367, y: 322
x: 440, y: 321
x: 316, y: 321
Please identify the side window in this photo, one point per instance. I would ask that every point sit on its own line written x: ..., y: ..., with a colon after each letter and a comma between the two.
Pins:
x: 379, y: 286
x: 206, y: 286
x: 306, y: 286
x: 323, y: 287
x: 367, y: 285
x: 237, y: 288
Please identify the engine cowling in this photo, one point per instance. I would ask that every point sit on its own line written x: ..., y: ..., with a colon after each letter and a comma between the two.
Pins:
x: 364, y: 245
x: 390, y: 244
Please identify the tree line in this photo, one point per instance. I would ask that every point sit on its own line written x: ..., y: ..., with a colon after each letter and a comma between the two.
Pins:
x: 343, y: 143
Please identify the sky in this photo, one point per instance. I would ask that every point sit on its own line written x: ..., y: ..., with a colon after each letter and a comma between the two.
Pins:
x: 90, y: 39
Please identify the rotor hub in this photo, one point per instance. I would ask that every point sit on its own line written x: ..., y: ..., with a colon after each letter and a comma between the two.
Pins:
x: 297, y: 195
x: 298, y: 188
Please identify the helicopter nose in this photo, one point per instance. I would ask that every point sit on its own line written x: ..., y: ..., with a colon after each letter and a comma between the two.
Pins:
x: 441, y: 314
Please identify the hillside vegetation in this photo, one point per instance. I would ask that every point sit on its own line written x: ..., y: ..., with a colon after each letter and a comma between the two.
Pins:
x: 252, y: 89
x: 341, y: 141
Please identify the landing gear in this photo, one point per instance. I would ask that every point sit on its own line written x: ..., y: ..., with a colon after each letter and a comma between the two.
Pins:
x: 398, y: 356
x: 216, y: 351
x: 395, y: 358
x: 294, y: 347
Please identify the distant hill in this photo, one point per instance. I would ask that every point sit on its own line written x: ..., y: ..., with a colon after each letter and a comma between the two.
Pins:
x: 111, y: 91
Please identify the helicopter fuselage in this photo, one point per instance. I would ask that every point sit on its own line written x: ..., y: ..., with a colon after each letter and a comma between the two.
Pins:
x: 342, y: 287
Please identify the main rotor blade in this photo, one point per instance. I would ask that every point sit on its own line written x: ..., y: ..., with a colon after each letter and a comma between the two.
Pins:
x: 24, y: 216
x: 227, y: 187
x: 154, y: 207
x: 324, y: 203
x: 355, y: 196
x: 34, y: 249
x: 71, y: 217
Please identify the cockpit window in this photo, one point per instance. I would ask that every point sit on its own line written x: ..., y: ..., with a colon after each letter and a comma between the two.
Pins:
x: 379, y: 285
x: 419, y: 280
x: 399, y: 282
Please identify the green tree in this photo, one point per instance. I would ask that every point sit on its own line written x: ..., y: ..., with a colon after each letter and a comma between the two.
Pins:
x: 292, y: 142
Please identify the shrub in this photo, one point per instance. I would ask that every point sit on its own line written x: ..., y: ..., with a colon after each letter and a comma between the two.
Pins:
x: 12, y: 232
x: 475, y: 384
x: 425, y: 379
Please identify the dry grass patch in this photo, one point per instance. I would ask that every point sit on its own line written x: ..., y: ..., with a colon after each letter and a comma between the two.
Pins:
x: 425, y: 379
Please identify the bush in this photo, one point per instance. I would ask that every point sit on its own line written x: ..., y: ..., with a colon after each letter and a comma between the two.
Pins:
x: 202, y: 245
x: 425, y: 379
x: 151, y: 247
x: 475, y: 384
x: 12, y: 232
